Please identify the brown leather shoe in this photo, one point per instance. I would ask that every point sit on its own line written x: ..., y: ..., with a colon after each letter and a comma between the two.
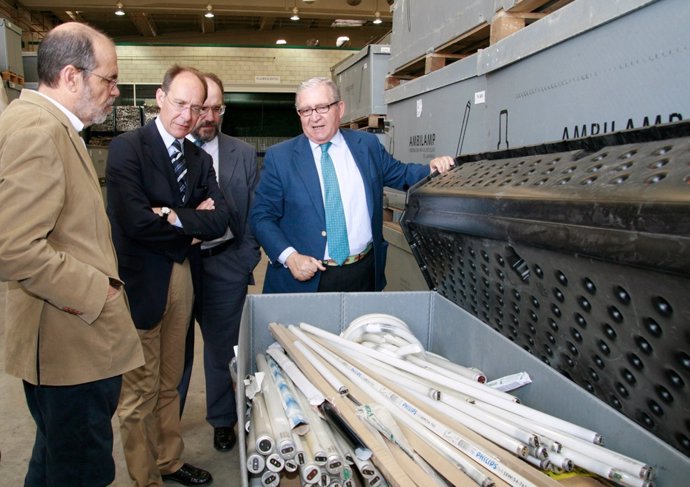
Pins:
x: 189, y: 475
x: 224, y: 438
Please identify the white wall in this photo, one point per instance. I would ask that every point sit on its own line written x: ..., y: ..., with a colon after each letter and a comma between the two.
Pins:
x: 238, y: 67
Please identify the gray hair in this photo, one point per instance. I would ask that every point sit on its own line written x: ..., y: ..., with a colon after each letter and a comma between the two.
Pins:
x: 318, y: 81
x: 68, y: 44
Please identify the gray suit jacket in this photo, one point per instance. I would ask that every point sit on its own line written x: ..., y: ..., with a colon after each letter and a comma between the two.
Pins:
x: 238, y: 177
x: 57, y: 254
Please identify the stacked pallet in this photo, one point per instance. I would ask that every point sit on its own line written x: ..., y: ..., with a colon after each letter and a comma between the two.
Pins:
x: 12, y: 77
x: 441, y: 41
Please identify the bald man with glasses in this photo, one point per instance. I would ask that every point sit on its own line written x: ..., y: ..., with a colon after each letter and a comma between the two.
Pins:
x: 227, y: 268
x: 163, y: 200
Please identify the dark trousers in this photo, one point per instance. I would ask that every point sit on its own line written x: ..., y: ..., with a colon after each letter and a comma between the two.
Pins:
x: 357, y: 277
x: 218, y: 311
x: 74, y: 435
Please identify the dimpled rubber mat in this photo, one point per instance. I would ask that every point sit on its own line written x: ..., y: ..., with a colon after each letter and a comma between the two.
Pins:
x: 579, y: 252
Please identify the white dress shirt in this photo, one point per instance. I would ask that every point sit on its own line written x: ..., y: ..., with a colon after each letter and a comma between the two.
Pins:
x: 351, y: 192
x: 73, y: 119
x: 211, y: 147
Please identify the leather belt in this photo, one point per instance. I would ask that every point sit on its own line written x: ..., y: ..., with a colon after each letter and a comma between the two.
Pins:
x: 216, y: 250
x: 351, y: 259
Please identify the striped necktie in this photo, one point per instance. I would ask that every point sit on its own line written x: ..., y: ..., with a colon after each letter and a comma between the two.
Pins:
x: 336, y: 228
x: 180, y: 167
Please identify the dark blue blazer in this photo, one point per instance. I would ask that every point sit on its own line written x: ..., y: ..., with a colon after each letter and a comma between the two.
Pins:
x: 139, y: 176
x: 288, y: 205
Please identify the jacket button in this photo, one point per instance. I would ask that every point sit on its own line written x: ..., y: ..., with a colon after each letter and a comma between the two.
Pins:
x: 323, y: 233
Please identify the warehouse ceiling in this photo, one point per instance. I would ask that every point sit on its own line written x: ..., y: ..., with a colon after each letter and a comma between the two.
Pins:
x: 235, y: 22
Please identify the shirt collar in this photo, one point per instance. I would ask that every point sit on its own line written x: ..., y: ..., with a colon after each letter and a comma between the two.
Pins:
x: 167, y: 138
x: 211, y: 145
x: 192, y: 139
x: 336, y: 141
x: 73, y: 119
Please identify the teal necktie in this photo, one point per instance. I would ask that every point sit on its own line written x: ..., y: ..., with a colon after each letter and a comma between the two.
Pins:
x: 336, y: 228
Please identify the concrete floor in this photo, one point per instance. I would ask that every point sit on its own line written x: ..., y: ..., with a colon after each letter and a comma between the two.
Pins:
x: 17, y: 428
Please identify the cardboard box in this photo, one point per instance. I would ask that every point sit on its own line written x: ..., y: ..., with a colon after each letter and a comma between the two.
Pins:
x: 446, y: 329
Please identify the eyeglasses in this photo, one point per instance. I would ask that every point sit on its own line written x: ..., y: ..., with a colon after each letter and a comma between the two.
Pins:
x: 112, y: 82
x: 305, y: 112
x: 218, y: 110
x: 181, y: 106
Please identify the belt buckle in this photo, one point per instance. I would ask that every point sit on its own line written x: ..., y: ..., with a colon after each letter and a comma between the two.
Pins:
x: 351, y: 259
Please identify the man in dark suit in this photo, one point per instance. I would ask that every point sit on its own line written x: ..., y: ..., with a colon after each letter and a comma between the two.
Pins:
x: 227, y: 264
x: 318, y: 207
x: 68, y: 333
x: 163, y: 199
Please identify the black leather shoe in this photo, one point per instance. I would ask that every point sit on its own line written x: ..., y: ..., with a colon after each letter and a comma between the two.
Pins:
x: 224, y: 438
x: 189, y: 475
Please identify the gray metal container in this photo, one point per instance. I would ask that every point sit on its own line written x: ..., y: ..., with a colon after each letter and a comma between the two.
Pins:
x: 588, y: 68
x: 422, y: 27
x: 446, y: 329
x: 30, y: 66
x: 628, y: 73
x: 402, y: 270
x: 11, y: 47
x: 439, y: 114
x: 99, y: 156
x: 361, y: 79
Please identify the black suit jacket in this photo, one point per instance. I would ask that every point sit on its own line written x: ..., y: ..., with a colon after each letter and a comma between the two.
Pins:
x: 139, y: 176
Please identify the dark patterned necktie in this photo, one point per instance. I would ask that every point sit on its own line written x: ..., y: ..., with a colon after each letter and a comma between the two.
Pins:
x: 180, y: 167
x: 336, y: 228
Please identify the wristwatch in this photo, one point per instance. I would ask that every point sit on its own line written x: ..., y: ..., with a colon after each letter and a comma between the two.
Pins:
x: 165, y: 211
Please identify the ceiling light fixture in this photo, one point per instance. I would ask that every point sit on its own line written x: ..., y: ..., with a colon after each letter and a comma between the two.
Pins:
x: 295, y: 14
x: 209, y: 12
x: 119, y: 10
x: 281, y: 42
x: 377, y: 14
x: 347, y: 23
x: 342, y: 41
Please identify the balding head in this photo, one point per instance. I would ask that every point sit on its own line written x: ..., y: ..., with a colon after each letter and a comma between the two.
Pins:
x: 67, y: 44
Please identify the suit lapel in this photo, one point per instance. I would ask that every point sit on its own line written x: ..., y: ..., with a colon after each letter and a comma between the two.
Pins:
x: 80, y: 147
x: 191, y: 153
x: 226, y: 169
x: 303, y: 161
x: 157, y: 153
x: 73, y: 135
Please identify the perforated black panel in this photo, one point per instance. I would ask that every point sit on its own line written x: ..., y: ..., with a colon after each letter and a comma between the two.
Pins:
x: 580, y: 253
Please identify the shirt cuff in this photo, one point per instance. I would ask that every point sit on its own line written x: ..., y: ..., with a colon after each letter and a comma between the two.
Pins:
x: 285, y: 254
